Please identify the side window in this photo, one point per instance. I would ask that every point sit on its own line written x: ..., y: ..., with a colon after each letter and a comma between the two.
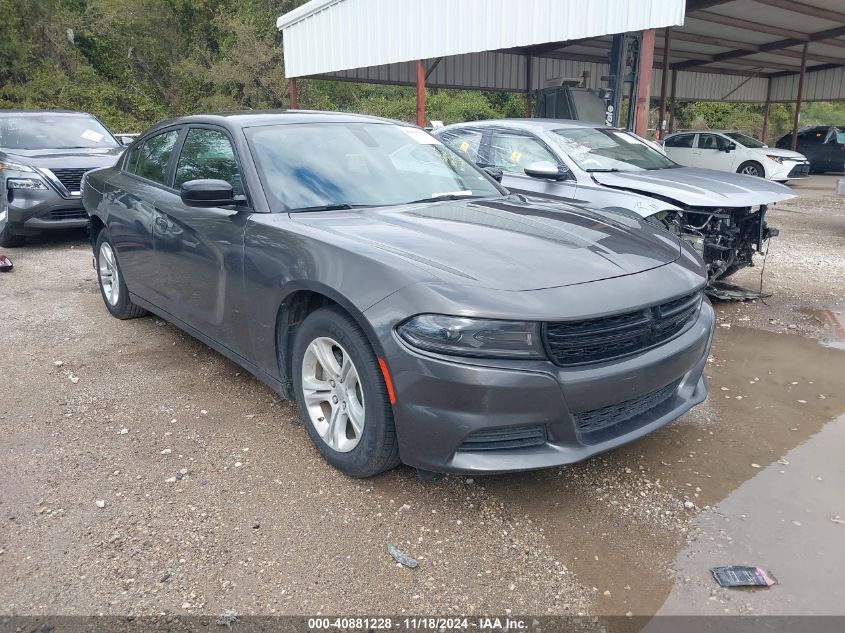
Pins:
x: 154, y: 156
x: 811, y: 137
x: 709, y: 141
x: 682, y: 140
x: 465, y: 142
x: 131, y: 164
x: 514, y: 152
x: 208, y: 154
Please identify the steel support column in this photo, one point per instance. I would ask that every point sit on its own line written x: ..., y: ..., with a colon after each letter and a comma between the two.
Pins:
x: 292, y: 93
x: 799, y: 97
x: 664, y: 79
x: 528, y: 85
x: 672, y: 99
x: 644, y: 71
x: 420, y: 93
x: 765, y: 131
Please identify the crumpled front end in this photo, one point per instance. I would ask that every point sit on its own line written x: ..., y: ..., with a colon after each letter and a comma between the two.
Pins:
x: 726, y: 238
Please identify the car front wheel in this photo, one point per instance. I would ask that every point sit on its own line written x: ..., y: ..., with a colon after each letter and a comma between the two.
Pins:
x: 112, y: 285
x: 342, y: 396
x: 751, y: 168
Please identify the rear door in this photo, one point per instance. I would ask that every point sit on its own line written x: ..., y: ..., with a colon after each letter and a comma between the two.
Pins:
x: 199, y: 251
x: 130, y: 199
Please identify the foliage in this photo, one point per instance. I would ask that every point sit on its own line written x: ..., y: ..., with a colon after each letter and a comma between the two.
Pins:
x: 134, y: 62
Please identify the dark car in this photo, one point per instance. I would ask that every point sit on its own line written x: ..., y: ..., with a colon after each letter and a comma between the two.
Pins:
x: 721, y: 214
x: 823, y: 145
x: 43, y: 156
x: 414, y: 309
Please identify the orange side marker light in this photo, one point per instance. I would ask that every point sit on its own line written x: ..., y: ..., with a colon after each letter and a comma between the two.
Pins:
x: 387, y: 381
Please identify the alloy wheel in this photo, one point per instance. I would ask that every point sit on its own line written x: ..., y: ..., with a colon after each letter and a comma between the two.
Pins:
x: 333, y: 394
x: 750, y: 170
x: 109, y: 275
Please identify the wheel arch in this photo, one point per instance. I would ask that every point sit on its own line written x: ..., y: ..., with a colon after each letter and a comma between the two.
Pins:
x: 299, y: 299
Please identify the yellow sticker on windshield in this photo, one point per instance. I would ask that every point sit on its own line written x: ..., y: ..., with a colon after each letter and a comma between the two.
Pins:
x: 515, y: 156
x: 464, y: 146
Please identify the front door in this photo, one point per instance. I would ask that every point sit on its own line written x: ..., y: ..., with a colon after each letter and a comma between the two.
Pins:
x: 512, y: 152
x: 200, y: 250
x: 711, y: 153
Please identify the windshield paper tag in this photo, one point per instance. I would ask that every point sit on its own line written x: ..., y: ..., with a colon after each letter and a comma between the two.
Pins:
x: 421, y: 137
x: 91, y: 135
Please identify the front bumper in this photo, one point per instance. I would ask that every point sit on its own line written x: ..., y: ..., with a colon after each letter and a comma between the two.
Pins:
x: 444, y: 406
x: 30, y: 211
x: 791, y: 170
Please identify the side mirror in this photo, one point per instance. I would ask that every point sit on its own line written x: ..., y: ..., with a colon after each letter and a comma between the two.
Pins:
x: 207, y: 193
x: 730, y: 147
x: 495, y: 173
x: 125, y: 140
x: 544, y: 169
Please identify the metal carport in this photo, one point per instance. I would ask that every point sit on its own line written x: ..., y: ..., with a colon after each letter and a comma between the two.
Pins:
x: 718, y: 50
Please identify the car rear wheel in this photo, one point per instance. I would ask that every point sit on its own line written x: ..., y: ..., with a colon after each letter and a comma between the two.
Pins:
x: 112, y: 285
x: 342, y: 396
x: 751, y: 168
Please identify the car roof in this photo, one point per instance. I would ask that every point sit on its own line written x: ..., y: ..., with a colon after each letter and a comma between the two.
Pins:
x: 251, y: 118
x: 530, y: 124
x: 33, y: 112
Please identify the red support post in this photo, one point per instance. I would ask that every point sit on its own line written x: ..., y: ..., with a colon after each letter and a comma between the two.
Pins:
x: 644, y: 72
x: 294, y: 96
x: 528, y: 85
x: 799, y: 98
x: 420, y: 93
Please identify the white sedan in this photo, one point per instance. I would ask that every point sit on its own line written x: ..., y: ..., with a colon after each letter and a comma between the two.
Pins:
x: 734, y: 151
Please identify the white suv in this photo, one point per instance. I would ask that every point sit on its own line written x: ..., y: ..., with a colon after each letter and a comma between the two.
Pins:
x: 734, y: 151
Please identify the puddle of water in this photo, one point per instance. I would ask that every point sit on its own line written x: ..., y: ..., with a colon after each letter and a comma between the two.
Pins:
x: 618, y: 521
x: 788, y: 520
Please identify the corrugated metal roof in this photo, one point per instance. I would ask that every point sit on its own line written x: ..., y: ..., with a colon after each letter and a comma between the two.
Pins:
x: 324, y: 36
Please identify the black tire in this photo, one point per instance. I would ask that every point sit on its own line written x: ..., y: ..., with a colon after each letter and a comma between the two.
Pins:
x: 751, y: 165
x: 8, y: 239
x: 377, y: 449
x: 123, y: 308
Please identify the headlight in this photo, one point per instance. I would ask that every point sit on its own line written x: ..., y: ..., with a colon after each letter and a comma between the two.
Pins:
x: 5, y: 165
x: 464, y: 336
x: 25, y: 183
x: 777, y: 159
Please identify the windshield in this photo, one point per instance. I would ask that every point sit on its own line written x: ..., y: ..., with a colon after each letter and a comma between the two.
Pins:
x: 53, y: 131
x: 744, y: 140
x: 307, y: 166
x: 606, y: 149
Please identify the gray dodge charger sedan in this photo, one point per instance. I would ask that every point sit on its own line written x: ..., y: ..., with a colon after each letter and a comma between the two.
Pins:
x: 43, y: 155
x: 415, y: 310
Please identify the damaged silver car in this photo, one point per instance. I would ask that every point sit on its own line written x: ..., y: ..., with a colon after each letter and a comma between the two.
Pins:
x: 722, y: 215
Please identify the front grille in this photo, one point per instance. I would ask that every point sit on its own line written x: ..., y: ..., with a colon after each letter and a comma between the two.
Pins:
x: 71, y: 178
x: 799, y: 171
x: 68, y: 214
x: 579, y: 342
x: 608, y: 419
x: 505, y: 438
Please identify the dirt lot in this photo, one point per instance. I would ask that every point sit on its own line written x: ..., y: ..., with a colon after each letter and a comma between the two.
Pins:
x: 143, y: 473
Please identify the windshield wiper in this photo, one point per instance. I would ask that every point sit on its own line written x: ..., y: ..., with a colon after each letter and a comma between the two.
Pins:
x: 444, y: 196
x: 337, y: 206
x: 603, y: 169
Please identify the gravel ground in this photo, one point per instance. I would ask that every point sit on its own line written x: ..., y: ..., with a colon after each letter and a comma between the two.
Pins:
x: 143, y: 473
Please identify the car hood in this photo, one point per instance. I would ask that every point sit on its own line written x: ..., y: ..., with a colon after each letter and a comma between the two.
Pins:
x: 88, y: 157
x: 509, y: 243
x: 784, y: 153
x: 698, y: 187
